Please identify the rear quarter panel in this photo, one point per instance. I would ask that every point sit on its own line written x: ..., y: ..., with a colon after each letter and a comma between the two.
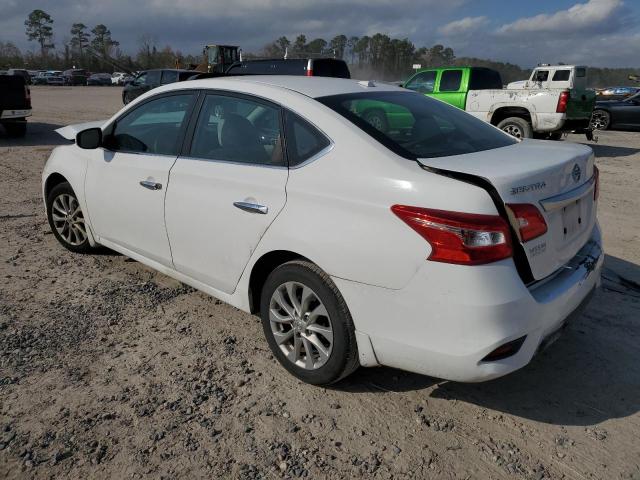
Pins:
x: 338, y: 207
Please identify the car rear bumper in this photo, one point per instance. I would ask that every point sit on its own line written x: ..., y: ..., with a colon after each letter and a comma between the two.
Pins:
x: 449, y: 318
x: 15, y: 114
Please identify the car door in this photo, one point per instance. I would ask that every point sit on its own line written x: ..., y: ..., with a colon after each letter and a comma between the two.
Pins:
x: 226, y: 188
x: 127, y: 179
x: 627, y: 113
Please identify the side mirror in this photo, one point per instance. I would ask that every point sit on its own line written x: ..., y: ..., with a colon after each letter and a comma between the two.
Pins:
x: 89, y: 139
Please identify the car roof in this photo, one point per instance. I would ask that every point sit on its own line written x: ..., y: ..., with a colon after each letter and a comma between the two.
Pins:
x: 313, y: 87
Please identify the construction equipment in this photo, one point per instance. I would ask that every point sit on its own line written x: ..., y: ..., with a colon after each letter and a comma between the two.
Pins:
x: 217, y: 58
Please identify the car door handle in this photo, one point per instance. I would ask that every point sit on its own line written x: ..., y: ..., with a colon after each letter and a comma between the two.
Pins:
x: 151, y: 185
x: 251, y: 207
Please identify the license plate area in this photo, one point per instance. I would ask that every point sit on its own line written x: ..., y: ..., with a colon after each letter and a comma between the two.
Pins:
x: 572, y: 219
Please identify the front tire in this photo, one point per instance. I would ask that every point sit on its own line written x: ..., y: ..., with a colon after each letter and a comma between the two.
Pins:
x: 516, y: 127
x: 307, y: 324
x: 600, y: 120
x: 66, y: 219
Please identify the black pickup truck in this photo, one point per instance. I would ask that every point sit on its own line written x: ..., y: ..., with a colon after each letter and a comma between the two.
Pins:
x: 15, y: 105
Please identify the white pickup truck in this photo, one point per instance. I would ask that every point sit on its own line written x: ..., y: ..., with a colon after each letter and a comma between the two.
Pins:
x: 552, y: 101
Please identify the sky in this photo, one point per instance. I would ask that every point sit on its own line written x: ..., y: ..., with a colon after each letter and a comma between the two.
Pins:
x: 600, y: 33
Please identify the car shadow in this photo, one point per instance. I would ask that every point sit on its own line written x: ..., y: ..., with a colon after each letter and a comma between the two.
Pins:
x: 38, y: 133
x: 612, y: 150
x: 591, y: 374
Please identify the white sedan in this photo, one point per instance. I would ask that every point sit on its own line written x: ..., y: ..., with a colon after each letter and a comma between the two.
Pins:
x: 365, y: 224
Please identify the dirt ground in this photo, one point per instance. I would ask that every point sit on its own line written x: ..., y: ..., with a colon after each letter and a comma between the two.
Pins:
x: 111, y: 370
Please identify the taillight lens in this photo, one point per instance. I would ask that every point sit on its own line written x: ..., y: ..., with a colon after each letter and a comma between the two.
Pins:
x: 529, y: 220
x: 562, y: 102
x: 596, y: 188
x: 460, y: 238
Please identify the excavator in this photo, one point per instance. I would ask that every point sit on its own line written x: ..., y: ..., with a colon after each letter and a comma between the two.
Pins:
x: 216, y: 58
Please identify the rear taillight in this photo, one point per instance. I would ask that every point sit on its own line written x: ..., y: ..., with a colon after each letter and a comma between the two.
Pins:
x: 309, y: 72
x: 596, y: 188
x: 529, y: 220
x: 27, y: 93
x: 461, y: 238
x: 562, y: 102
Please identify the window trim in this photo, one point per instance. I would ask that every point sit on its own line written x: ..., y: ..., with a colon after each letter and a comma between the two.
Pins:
x: 185, y: 151
x: 108, y: 130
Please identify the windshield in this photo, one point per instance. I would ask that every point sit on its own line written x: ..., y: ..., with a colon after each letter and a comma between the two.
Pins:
x: 415, y: 126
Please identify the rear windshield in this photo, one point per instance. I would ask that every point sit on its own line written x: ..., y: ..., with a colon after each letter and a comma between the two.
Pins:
x: 415, y: 126
x: 328, y: 67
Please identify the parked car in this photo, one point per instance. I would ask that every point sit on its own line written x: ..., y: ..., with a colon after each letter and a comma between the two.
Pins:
x: 118, y: 78
x: 52, y: 77
x: 22, y: 73
x: 310, y: 67
x: 617, y: 114
x: 15, y: 104
x: 616, y: 93
x: 75, y: 77
x: 150, y: 79
x: 452, y: 250
x: 100, y: 79
x: 553, y: 101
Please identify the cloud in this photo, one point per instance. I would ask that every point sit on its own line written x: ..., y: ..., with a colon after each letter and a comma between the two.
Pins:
x: 463, y: 26
x: 582, y: 17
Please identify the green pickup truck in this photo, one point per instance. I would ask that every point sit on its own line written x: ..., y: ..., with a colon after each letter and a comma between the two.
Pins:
x: 554, y: 100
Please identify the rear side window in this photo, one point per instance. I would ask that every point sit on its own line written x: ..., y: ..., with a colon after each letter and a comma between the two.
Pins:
x: 450, y: 80
x: 240, y: 130
x: 153, y: 77
x: 169, y: 76
x: 485, y: 79
x: 303, y: 139
x: 561, y: 75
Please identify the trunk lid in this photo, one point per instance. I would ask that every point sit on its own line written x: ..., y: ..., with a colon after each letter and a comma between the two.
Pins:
x: 557, y: 178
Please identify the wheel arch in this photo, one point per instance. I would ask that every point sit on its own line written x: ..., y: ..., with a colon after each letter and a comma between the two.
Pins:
x: 261, y: 269
x: 506, y: 111
x: 52, y: 180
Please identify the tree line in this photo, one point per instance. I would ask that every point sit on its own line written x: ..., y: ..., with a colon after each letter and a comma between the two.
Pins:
x: 370, y: 56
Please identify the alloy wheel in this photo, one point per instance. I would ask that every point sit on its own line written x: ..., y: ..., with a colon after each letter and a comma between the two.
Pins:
x: 68, y: 219
x: 513, y: 130
x: 300, y: 325
x: 599, y: 120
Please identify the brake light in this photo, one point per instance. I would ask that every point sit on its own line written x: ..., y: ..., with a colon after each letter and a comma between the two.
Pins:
x: 562, y: 102
x: 596, y: 188
x: 460, y: 238
x: 309, y: 72
x: 529, y: 220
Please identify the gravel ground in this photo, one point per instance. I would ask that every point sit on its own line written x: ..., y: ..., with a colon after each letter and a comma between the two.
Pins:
x: 111, y: 370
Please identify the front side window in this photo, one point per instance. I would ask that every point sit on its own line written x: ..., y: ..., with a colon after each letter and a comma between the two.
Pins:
x: 303, y: 139
x: 153, y: 77
x: 141, y: 79
x: 450, y: 80
x: 236, y: 129
x: 153, y: 127
x: 541, y: 76
x: 423, y: 82
x: 416, y: 126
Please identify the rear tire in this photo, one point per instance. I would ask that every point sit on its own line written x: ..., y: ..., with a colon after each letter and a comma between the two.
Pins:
x: 302, y: 307
x: 16, y: 130
x: 66, y: 219
x: 377, y: 119
x: 600, y: 120
x: 516, y: 127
